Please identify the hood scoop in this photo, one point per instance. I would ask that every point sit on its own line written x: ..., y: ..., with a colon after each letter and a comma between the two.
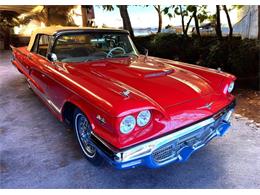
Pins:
x: 158, y: 74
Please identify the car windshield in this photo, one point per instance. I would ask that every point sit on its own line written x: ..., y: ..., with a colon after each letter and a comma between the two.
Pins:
x: 93, y: 46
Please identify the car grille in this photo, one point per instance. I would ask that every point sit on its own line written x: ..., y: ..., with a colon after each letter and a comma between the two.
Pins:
x: 194, y: 140
x: 170, y: 152
x: 163, y: 154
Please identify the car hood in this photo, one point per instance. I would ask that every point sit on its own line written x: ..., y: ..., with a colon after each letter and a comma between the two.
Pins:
x: 165, y: 84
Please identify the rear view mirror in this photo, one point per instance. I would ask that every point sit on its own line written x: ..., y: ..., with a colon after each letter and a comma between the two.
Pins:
x: 144, y: 51
x: 52, y: 57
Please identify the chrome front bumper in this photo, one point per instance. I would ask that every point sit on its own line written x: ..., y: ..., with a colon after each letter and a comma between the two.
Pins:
x: 174, y: 147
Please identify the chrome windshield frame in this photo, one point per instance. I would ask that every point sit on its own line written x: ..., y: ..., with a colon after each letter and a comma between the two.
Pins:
x: 82, y: 32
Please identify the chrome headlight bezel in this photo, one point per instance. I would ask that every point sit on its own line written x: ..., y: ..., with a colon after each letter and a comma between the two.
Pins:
x: 143, y: 118
x: 231, y: 87
x: 127, y: 124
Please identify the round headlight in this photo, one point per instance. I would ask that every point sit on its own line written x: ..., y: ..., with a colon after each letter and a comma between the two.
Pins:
x: 231, y: 87
x: 143, y: 118
x: 127, y: 124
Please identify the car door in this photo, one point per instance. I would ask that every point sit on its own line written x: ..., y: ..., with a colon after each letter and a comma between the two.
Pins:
x: 38, y: 62
x: 21, y: 56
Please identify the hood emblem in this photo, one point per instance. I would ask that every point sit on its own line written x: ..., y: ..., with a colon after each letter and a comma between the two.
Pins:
x: 208, y: 106
x: 126, y: 93
x: 101, y: 119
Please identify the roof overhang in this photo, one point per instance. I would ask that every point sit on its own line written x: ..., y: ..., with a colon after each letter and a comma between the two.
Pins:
x: 17, y: 8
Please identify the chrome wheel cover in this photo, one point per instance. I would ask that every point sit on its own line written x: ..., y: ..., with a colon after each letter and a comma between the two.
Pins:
x: 83, y: 134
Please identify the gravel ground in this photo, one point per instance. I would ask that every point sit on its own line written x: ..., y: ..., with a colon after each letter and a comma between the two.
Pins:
x: 37, y: 151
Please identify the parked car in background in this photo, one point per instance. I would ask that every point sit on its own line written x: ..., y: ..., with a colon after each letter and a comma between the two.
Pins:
x: 129, y: 109
x: 205, y: 29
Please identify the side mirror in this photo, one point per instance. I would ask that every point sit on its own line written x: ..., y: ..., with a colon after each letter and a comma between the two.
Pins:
x: 52, y: 57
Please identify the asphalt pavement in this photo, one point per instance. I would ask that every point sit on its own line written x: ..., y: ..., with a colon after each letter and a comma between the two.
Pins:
x: 37, y: 151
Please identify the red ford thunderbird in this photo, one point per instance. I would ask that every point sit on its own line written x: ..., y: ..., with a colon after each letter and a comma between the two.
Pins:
x: 129, y: 109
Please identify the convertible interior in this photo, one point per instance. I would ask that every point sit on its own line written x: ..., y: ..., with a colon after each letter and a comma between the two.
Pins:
x: 78, y: 52
x: 86, y: 48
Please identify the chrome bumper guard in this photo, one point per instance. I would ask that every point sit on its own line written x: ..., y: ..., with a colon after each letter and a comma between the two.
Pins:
x: 174, y: 147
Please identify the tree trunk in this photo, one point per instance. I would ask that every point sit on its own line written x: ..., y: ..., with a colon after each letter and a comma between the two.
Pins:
x: 196, y: 22
x: 187, y: 26
x: 182, y: 20
x: 158, y: 9
x: 160, y: 23
x: 218, y: 24
x: 126, y: 20
x: 229, y: 21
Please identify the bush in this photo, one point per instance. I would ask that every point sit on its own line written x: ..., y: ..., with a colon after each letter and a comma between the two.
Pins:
x: 236, y: 56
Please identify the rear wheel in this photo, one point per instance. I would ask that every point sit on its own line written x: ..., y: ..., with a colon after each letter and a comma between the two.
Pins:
x: 83, y: 130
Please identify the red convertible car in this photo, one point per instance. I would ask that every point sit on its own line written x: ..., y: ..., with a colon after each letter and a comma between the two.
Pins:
x: 129, y: 109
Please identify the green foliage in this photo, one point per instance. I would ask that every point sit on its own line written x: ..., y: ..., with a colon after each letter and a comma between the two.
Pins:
x: 202, y: 13
x: 233, y: 55
x: 197, y: 12
x: 181, y: 11
x: 167, y: 10
x: 108, y: 7
x: 235, y: 7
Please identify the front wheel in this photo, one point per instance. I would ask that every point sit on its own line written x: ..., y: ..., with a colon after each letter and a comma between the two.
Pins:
x: 83, y: 130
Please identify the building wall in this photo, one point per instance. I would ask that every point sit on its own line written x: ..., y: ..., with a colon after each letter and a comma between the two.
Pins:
x: 247, y: 24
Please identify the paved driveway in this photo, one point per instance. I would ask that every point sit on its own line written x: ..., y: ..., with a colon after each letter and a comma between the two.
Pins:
x: 37, y: 151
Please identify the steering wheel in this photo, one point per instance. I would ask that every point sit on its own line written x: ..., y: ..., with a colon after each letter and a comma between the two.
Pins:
x: 110, y: 53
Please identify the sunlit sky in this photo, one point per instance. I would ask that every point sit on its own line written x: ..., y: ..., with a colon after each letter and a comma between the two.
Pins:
x: 143, y: 17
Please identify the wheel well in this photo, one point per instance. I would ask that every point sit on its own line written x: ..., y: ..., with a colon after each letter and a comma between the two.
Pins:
x: 67, y: 114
